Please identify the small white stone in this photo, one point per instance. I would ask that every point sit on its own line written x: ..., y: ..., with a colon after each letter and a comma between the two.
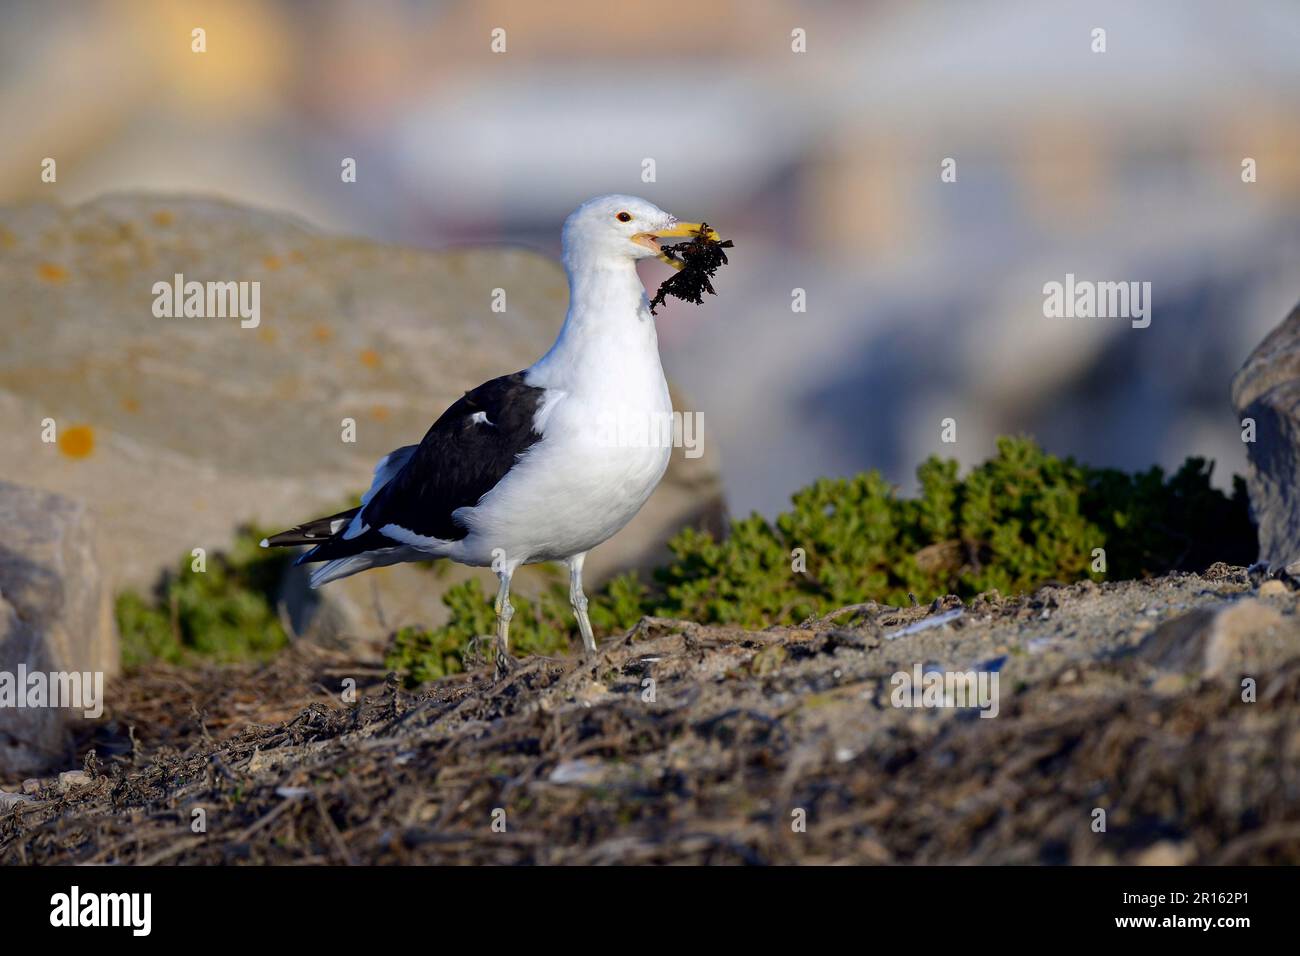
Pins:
x: 74, y: 778
x: 582, y: 771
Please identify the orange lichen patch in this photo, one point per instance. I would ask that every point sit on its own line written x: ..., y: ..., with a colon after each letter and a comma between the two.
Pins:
x: 163, y: 217
x: 267, y: 335
x: 130, y: 404
x: 370, y: 358
x: 52, y: 272
x: 77, y: 441
x: 297, y: 256
x: 322, y: 333
x: 272, y: 263
x: 380, y: 413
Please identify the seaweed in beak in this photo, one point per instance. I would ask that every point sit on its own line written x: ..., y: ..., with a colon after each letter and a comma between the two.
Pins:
x: 696, y: 262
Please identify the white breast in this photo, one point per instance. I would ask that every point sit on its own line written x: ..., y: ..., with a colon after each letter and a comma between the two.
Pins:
x: 606, y: 427
x: 592, y: 471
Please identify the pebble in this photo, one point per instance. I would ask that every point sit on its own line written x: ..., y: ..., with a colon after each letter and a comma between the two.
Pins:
x: 1272, y: 587
x: 74, y: 778
x: 583, y: 771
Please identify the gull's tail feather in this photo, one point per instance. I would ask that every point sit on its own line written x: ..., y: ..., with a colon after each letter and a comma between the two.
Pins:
x: 341, y: 568
x: 351, y: 564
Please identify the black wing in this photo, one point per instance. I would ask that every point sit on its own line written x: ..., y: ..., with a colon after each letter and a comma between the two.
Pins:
x: 468, y: 450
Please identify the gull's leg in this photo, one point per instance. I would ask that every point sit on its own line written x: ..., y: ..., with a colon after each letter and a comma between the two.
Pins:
x: 578, y: 600
x: 505, y: 611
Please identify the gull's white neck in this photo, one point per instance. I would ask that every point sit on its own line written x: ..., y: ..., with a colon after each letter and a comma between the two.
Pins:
x: 608, y: 340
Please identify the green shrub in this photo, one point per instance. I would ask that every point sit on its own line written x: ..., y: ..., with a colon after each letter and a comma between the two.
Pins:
x: 1017, y: 521
x: 225, y: 613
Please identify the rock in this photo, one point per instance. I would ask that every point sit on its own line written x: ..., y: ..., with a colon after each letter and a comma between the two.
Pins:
x: 1243, y: 637
x: 583, y: 772
x: 71, y: 779
x: 10, y: 800
x: 55, y: 616
x: 1267, y: 390
x: 176, y: 430
x: 32, y: 785
x: 1272, y: 588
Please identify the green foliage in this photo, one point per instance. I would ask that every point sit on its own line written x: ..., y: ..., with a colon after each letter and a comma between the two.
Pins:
x: 1016, y: 521
x: 225, y: 613
x: 1153, y: 525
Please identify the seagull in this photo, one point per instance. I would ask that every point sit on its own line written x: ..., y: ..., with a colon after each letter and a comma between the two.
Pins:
x: 540, y: 465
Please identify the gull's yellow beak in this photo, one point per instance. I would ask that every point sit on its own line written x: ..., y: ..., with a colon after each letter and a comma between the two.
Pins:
x: 682, y: 230
x: 685, y: 229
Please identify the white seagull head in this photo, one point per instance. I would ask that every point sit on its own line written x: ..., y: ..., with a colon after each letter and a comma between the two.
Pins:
x: 619, y: 228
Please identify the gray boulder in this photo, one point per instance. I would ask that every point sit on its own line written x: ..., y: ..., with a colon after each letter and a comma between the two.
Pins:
x: 1267, y: 390
x: 177, y: 430
x: 56, y: 617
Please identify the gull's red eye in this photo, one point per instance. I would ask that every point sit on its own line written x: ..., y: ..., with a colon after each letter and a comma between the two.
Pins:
x: 624, y: 217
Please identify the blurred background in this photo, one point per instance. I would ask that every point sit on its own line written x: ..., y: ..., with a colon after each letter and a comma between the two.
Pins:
x: 924, y: 298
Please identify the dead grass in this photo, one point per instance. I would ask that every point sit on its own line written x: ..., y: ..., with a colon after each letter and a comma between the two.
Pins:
x: 745, y: 731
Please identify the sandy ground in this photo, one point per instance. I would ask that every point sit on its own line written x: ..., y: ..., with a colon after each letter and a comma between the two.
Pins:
x: 1118, y: 705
